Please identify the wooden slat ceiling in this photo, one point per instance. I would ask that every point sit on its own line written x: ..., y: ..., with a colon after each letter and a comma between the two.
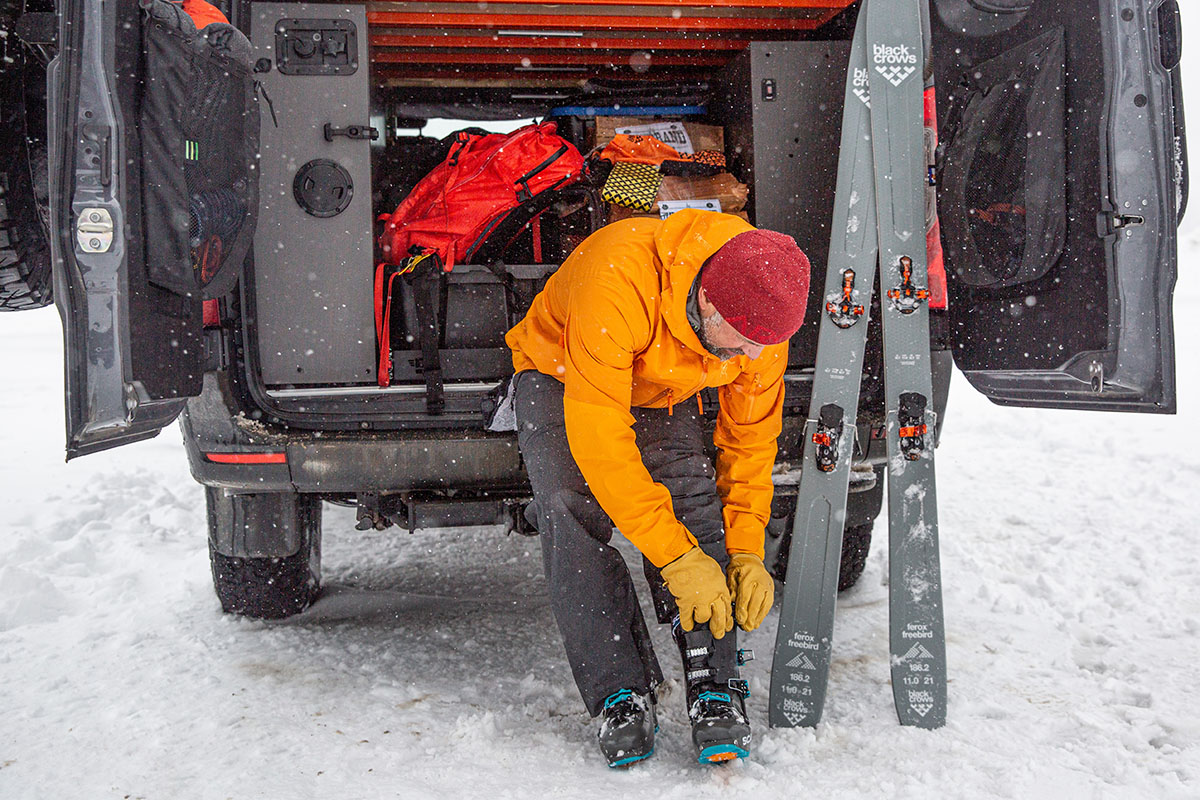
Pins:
x: 524, y: 40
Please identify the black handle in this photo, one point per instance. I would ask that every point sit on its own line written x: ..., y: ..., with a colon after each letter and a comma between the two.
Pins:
x: 351, y: 132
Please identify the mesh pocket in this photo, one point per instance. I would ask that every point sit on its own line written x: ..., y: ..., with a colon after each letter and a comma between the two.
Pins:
x: 1004, y: 175
x: 199, y: 126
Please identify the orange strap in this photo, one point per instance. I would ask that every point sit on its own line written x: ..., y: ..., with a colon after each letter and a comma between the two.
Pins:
x: 383, y: 322
x: 536, y: 228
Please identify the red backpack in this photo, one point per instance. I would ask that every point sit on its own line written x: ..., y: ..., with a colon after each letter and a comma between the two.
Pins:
x: 484, y: 177
x: 451, y: 212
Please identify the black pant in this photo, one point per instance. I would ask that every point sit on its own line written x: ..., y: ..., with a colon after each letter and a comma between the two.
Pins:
x: 591, y: 592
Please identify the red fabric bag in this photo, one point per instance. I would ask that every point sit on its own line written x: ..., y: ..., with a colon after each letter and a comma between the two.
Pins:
x: 453, y: 208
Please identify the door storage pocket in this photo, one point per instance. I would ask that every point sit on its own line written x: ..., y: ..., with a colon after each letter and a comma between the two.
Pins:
x: 1003, y: 199
x: 199, y: 128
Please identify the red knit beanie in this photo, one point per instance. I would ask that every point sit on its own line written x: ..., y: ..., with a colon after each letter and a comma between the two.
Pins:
x: 758, y: 280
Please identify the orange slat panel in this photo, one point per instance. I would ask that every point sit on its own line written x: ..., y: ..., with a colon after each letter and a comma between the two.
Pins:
x: 380, y: 40
x: 442, y: 20
x: 547, y: 59
x: 532, y: 78
x: 817, y: 4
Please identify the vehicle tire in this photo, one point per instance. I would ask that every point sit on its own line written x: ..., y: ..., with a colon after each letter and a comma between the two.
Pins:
x: 265, y: 551
x: 856, y: 546
x: 25, y: 278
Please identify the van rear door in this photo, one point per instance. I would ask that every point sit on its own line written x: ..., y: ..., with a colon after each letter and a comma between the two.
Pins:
x: 153, y: 197
x: 1062, y: 179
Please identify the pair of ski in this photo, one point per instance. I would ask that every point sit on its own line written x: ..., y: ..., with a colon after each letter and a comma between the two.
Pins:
x: 879, y: 214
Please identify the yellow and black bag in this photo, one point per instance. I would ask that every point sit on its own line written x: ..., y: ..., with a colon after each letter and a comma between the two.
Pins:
x: 632, y: 185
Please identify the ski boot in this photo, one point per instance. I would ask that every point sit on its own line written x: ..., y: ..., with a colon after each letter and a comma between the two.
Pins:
x: 717, y: 710
x: 627, y: 727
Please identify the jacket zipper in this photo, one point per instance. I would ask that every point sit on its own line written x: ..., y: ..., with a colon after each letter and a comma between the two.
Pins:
x: 699, y: 388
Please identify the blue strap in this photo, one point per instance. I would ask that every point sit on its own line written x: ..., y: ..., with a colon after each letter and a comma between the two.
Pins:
x: 715, y: 696
x: 617, y: 696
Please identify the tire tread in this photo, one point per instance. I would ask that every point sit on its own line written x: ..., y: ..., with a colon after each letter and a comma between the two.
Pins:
x: 25, y: 274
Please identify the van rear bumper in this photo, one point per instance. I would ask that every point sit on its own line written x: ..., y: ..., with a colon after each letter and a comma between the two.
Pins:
x: 228, y: 450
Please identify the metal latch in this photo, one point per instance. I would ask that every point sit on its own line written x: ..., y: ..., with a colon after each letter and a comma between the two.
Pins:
x: 1108, y: 223
x: 1096, y: 372
x: 1126, y: 220
x: 351, y: 132
x: 94, y: 230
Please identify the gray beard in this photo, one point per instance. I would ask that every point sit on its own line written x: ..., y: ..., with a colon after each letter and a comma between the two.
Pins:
x: 707, y: 328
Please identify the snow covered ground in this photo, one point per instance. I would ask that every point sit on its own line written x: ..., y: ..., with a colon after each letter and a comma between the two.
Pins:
x: 432, y: 666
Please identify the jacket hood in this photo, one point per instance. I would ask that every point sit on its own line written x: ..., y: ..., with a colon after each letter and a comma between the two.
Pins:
x: 685, y: 240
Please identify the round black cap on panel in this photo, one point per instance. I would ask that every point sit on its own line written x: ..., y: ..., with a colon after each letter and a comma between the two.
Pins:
x: 323, y: 188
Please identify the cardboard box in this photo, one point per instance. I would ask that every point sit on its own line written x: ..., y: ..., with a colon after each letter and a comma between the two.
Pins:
x: 722, y: 186
x: 703, y: 137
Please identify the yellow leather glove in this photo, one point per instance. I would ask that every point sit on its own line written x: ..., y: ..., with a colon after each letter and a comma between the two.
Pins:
x: 752, y: 588
x: 698, y: 584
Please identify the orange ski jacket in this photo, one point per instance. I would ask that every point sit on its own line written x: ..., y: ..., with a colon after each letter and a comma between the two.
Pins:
x: 612, y: 325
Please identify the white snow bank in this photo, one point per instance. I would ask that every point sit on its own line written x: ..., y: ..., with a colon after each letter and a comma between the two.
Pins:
x: 432, y: 667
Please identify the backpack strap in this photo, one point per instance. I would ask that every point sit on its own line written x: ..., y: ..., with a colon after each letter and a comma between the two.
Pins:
x: 494, y: 243
x: 522, y: 183
x: 426, y: 282
x: 385, y: 285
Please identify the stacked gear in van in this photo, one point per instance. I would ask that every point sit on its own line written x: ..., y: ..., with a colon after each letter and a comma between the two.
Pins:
x: 489, y: 186
x: 647, y: 176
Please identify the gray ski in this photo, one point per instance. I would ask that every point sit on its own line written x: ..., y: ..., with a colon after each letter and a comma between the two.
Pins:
x: 879, y: 211
x: 803, y: 643
x: 917, y: 636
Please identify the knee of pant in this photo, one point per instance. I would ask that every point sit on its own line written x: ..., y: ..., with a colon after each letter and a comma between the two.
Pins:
x: 694, y: 470
x: 532, y: 515
x: 568, y: 510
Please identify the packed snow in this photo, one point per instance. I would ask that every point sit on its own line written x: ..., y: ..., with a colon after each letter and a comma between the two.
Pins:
x: 431, y: 665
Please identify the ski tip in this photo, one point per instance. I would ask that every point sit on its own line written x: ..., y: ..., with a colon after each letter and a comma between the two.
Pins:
x: 720, y: 753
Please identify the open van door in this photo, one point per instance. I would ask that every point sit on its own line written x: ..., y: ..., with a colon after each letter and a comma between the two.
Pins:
x: 1062, y: 179
x: 153, y: 129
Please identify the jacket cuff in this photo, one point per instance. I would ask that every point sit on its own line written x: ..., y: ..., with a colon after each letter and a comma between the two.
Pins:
x: 671, y: 548
x: 746, y: 541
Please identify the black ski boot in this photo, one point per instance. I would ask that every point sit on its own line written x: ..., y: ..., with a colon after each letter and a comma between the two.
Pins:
x: 720, y: 727
x: 627, y: 727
